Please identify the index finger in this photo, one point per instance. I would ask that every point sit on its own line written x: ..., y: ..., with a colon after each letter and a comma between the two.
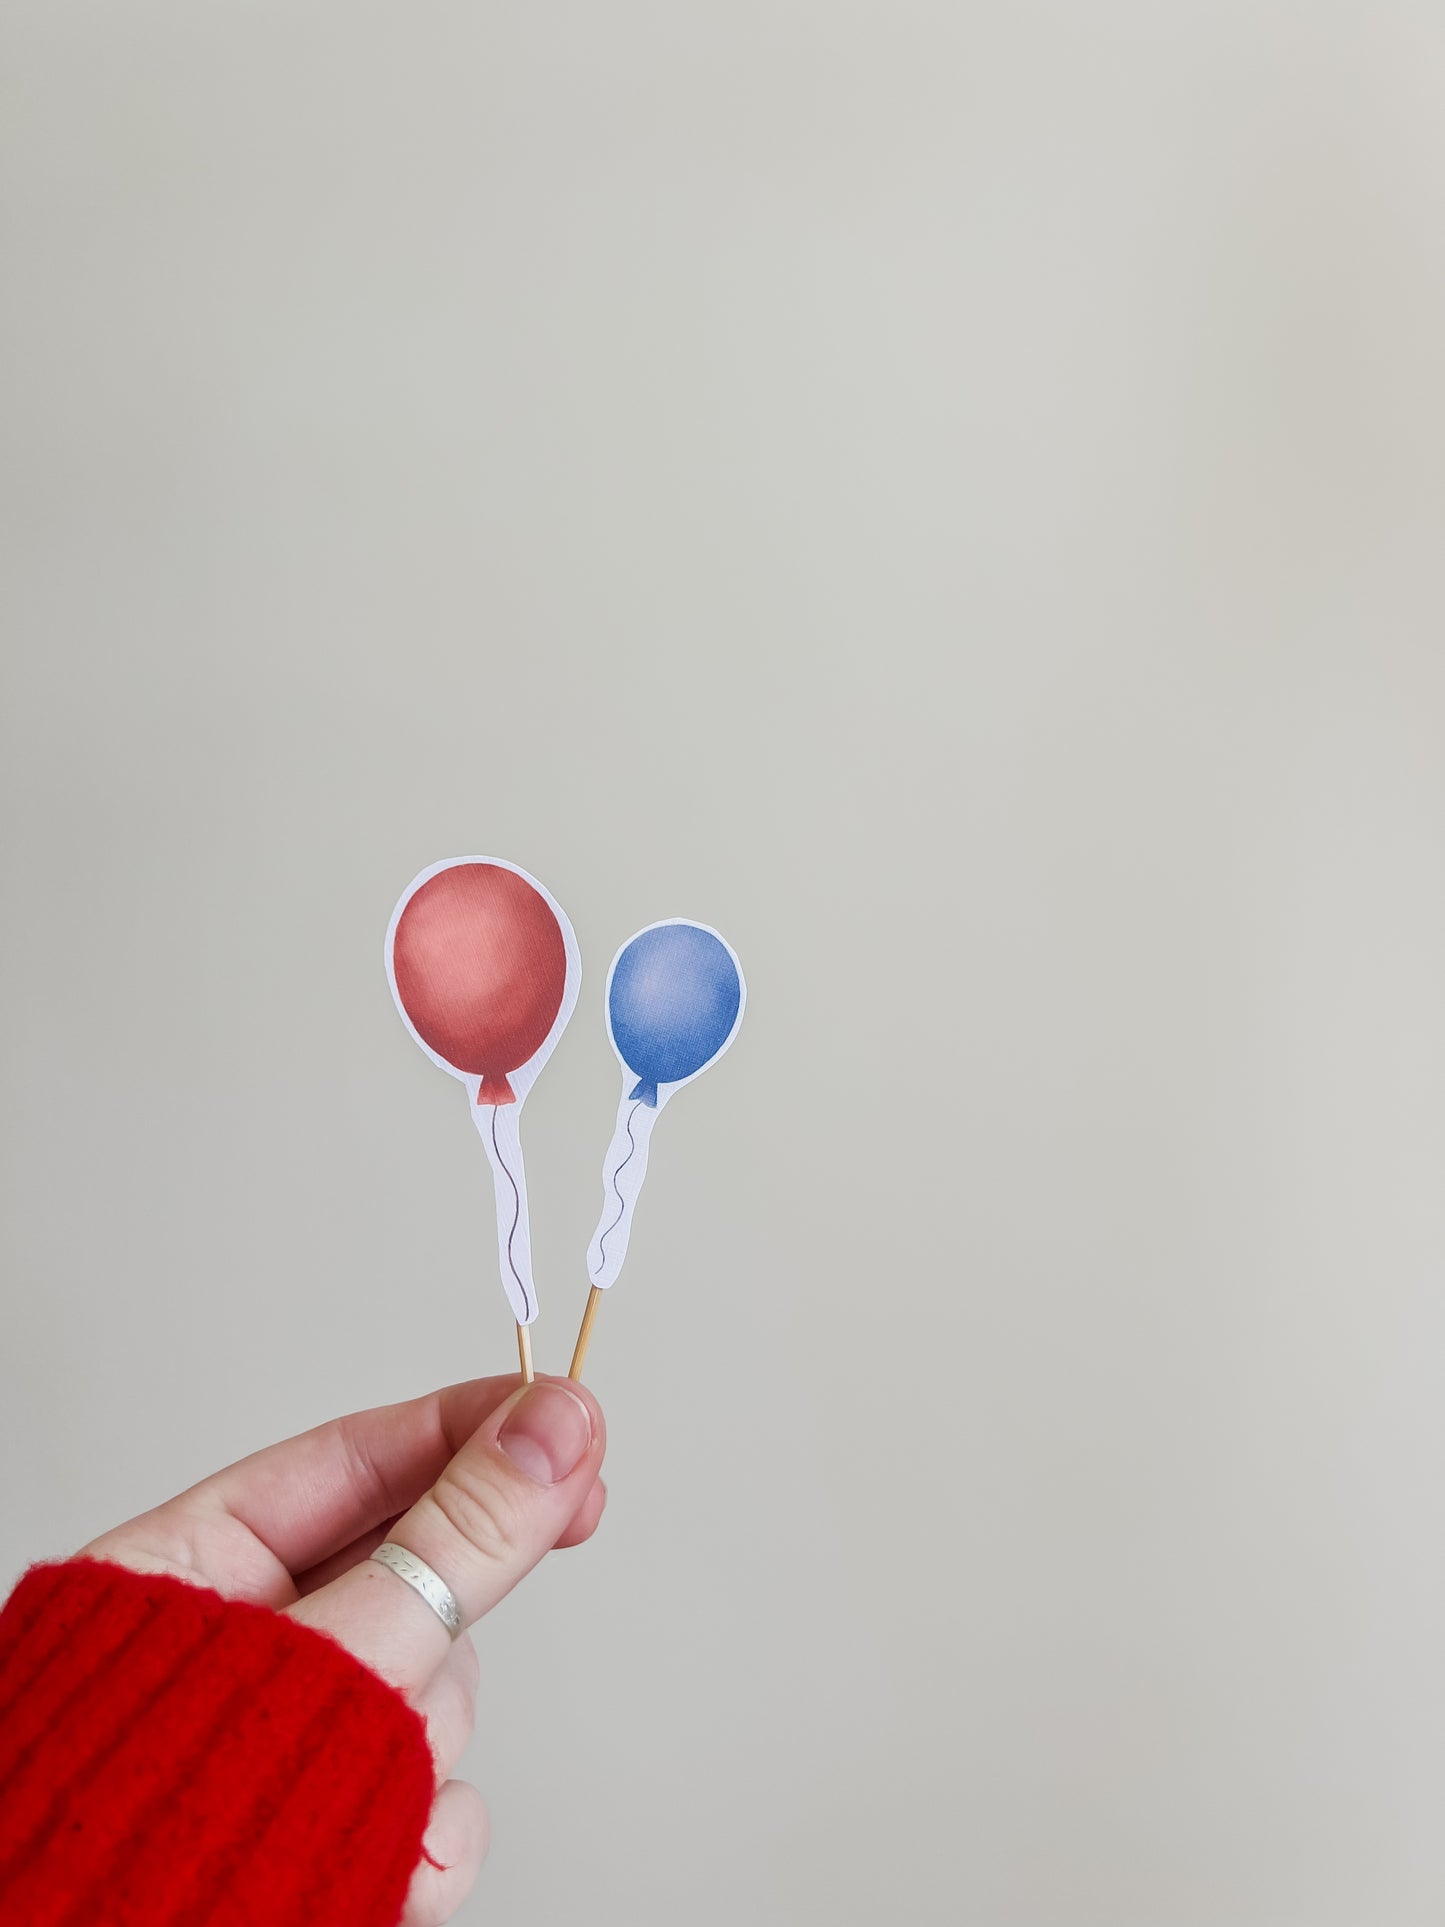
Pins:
x: 310, y: 1496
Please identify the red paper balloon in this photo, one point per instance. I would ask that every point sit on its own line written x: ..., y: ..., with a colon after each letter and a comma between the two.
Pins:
x: 480, y: 967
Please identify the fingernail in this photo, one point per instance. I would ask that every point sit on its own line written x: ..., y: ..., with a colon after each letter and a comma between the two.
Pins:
x: 547, y: 1433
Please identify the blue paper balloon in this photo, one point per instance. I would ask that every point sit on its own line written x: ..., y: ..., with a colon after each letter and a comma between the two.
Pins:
x: 672, y: 1004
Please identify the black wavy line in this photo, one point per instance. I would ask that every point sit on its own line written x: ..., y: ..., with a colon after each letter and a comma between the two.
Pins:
x: 621, y: 1201
x: 516, y: 1216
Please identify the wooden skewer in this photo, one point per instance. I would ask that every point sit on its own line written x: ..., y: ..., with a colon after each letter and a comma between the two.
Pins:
x: 594, y: 1299
x: 524, y: 1353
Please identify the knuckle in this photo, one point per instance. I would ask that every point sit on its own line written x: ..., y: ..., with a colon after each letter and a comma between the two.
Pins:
x: 451, y: 1717
x: 466, y: 1710
x: 364, y: 1474
x: 479, y: 1510
x: 461, y: 1679
x: 468, y: 1665
x: 477, y: 1821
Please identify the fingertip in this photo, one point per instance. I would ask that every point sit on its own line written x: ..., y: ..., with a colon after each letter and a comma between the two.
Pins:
x: 455, y: 1847
x: 586, y: 1519
x: 580, y: 1392
x: 550, y: 1434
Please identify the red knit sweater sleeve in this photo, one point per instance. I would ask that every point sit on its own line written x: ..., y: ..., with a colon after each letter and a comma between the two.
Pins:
x: 174, y: 1758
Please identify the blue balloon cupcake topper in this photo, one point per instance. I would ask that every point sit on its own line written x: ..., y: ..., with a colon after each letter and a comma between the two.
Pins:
x: 673, y: 1001
x: 675, y: 997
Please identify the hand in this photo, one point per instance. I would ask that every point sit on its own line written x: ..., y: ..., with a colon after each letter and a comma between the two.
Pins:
x: 479, y: 1480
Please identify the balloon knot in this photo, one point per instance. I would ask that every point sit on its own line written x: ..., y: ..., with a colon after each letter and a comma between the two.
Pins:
x: 494, y: 1089
x: 647, y: 1092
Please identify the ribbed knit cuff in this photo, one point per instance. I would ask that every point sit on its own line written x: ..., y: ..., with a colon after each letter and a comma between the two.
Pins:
x: 173, y: 1758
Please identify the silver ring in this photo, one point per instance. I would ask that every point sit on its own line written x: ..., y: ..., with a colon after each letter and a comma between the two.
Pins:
x: 420, y: 1577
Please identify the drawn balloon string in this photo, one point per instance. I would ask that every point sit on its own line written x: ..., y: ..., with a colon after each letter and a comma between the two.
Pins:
x: 616, y: 1174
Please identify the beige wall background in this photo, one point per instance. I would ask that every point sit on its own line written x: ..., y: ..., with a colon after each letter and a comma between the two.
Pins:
x: 950, y: 494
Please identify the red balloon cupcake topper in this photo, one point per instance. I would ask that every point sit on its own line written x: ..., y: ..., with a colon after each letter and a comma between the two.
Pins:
x: 485, y: 971
x: 480, y: 967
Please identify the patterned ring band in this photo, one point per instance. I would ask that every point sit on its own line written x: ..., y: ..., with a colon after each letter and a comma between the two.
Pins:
x: 420, y: 1577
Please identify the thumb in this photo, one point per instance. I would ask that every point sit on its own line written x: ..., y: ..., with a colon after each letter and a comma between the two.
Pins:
x: 501, y: 1502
